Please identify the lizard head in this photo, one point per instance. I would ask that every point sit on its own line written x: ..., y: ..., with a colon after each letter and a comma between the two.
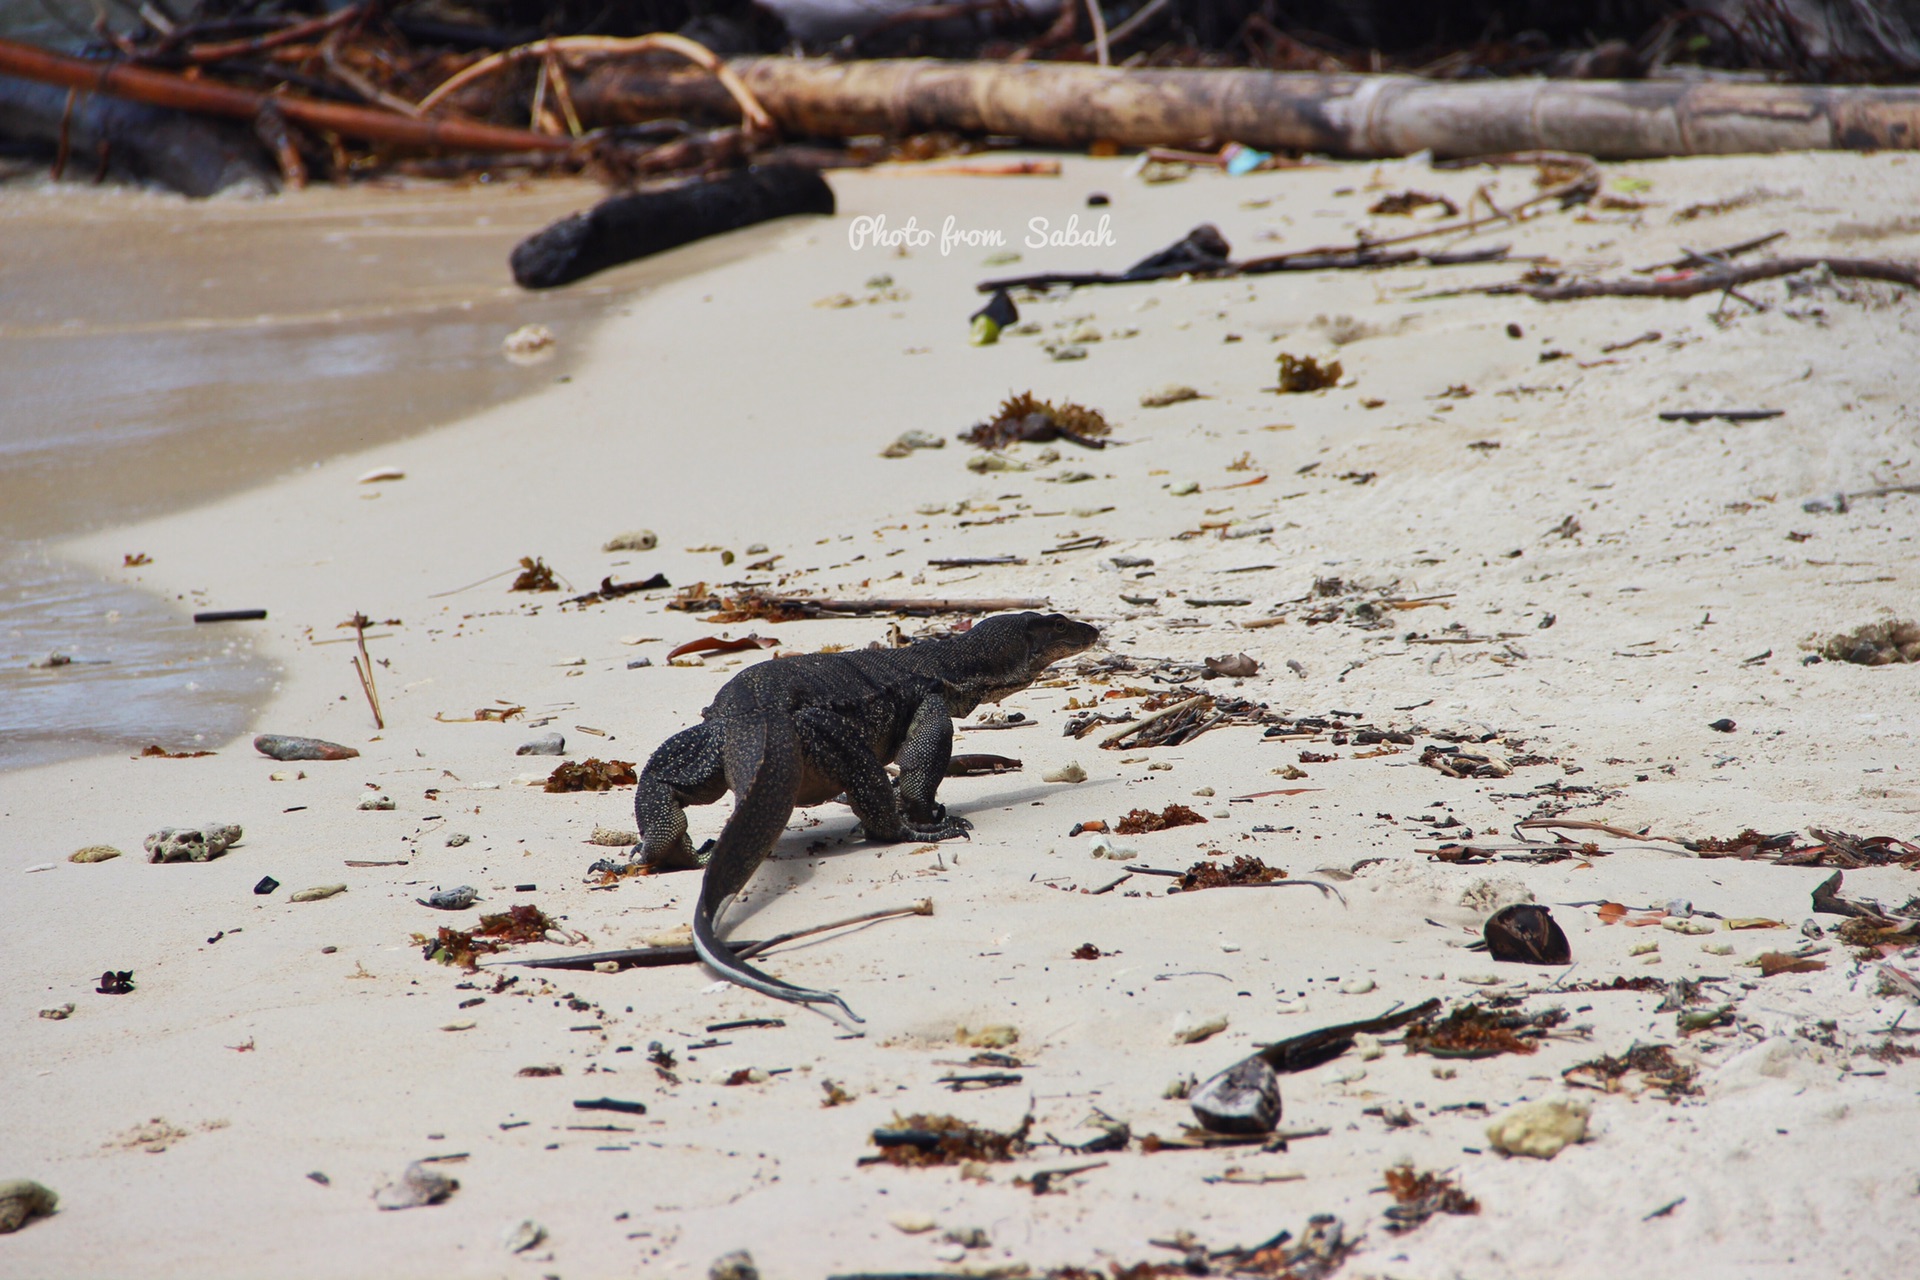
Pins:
x: 1010, y: 650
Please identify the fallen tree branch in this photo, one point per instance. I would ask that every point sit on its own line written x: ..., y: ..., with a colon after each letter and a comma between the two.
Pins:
x: 1713, y: 280
x: 1066, y: 105
x: 164, y: 89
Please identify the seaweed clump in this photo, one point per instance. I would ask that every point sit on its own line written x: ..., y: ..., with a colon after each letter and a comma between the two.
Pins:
x: 1244, y: 869
x: 1418, y: 1196
x: 1877, y: 644
x: 1025, y: 417
x: 1652, y: 1066
x: 1480, y: 1031
x: 592, y: 774
x: 918, y: 1141
x: 463, y: 947
x: 1140, y: 821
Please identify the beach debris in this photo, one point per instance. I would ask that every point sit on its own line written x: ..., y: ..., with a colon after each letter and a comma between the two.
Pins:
x: 529, y: 344
x: 281, y: 746
x: 1071, y: 771
x: 1482, y: 1031
x: 911, y: 1222
x: 1304, y: 373
x: 920, y: 1140
x: 1087, y: 951
x: 115, y: 982
x: 379, y: 474
x: 1642, y: 1067
x: 1139, y: 821
x: 611, y: 590
x: 522, y: 1235
x: 986, y: 324
x: 1201, y: 251
x: 620, y: 1105
x: 592, y: 774
x: 1191, y: 1028
x: 1025, y: 417
x: 737, y: 1265
x: 318, y: 893
x: 1526, y: 934
x: 456, y: 899
x: 191, y: 844
x: 547, y: 744
x: 639, y: 224
x: 1459, y: 762
x: 419, y: 1185
x: 1418, y: 1196
x: 1830, y: 849
x: 1245, y: 1098
x: 522, y: 922
x: 1171, y: 393
x: 1238, y: 665
x: 94, y: 853
x: 1722, y: 725
x: 615, y: 837
x: 457, y: 838
x: 632, y: 540
x: 1320, y: 1252
x: 231, y: 615
x: 993, y: 1036
x: 980, y: 764
x: 909, y: 442
x: 59, y: 1012
x: 154, y: 751
x: 1771, y: 963
x: 21, y: 1201
x: 265, y: 885
x: 377, y: 804
x: 1103, y: 846
x: 534, y: 575
x: 1244, y: 869
x: 55, y: 659
x: 1540, y: 1129
x: 1406, y: 203
x: 720, y: 644
x: 1875, y: 644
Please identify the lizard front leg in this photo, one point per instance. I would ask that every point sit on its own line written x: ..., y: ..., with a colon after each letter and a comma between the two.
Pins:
x: 923, y: 763
x: 834, y: 747
x: 686, y: 769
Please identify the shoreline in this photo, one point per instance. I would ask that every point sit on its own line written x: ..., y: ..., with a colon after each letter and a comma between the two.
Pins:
x: 1586, y: 584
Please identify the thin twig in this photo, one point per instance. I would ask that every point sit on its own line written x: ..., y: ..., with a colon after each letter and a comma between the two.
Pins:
x: 363, y: 667
x: 924, y: 907
x: 1099, y: 31
x: 1128, y: 730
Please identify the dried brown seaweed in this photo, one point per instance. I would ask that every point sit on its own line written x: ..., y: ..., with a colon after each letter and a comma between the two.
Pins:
x: 534, y: 576
x: 1025, y: 417
x: 1876, y: 644
x: 1479, y: 1031
x: 592, y: 774
x: 1304, y: 373
x: 1140, y: 821
x: 919, y: 1140
x: 1418, y: 1196
x: 1647, y: 1066
x: 1244, y: 869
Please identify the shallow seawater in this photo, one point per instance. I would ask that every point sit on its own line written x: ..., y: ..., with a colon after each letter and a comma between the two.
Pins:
x: 157, y: 353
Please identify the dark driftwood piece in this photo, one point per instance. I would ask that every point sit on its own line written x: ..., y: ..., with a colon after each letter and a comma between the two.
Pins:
x: 183, y: 153
x: 624, y: 228
x: 1073, y: 105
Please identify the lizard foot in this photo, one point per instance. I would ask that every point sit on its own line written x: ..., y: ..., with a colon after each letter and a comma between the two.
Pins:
x: 949, y: 827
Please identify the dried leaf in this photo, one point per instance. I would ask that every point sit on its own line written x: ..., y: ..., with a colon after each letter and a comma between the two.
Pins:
x: 716, y: 644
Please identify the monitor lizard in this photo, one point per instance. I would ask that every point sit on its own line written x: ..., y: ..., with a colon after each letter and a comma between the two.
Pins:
x: 803, y: 729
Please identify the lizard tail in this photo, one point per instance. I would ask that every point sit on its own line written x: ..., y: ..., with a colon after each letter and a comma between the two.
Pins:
x: 763, y: 769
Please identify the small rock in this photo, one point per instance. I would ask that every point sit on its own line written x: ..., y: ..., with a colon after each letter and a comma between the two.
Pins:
x: 457, y: 899
x: 1723, y: 725
x: 283, y: 747
x: 379, y: 474
x: 911, y: 1221
x: 59, y: 1013
x: 981, y: 463
x: 1245, y: 1098
x: 318, y: 892
x: 1694, y: 928
x: 1680, y: 907
x: 1065, y: 351
x: 950, y: 1253
x: 1068, y: 772
x: 1233, y: 664
x: 522, y: 1236
x: 1526, y: 934
x: 1357, y: 986
x: 633, y: 540
x: 969, y: 1237
x: 529, y: 344
x: 996, y: 1036
x: 265, y: 885
x: 52, y: 660
x: 737, y: 1265
x: 1172, y: 393
x: 94, y: 853
x: 1103, y: 846
x: 457, y: 838
x: 417, y: 1186
x: 907, y: 442
x: 547, y: 744
x: 23, y: 1200
x: 377, y: 802
x: 1540, y: 1129
x: 613, y: 837
x: 191, y: 844
x: 1183, y: 488
x: 1368, y: 1047
x: 1189, y: 1028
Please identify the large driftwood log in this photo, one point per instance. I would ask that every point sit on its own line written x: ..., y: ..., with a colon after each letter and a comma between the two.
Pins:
x: 193, y: 156
x: 1072, y: 105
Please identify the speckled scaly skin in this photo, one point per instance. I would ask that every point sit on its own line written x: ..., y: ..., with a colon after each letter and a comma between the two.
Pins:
x: 801, y: 730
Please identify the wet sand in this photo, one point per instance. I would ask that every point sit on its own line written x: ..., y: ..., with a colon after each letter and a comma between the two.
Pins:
x: 159, y: 353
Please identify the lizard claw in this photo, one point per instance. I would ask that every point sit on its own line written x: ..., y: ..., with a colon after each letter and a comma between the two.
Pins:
x: 947, y: 828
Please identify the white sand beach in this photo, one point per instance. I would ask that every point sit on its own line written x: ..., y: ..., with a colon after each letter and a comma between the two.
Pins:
x: 1484, y: 529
